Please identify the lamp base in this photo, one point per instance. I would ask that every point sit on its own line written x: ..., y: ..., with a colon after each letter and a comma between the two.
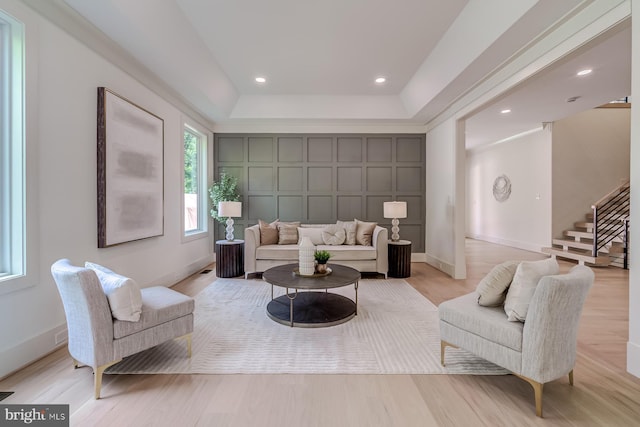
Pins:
x: 395, y: 230
x: 229, y: 229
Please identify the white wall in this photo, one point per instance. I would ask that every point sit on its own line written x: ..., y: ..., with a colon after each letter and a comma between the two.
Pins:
x: 62, y: 77
x: 590, y: 158
x: 633, y: 345
x: 524, y: 220
x: 445, y: 203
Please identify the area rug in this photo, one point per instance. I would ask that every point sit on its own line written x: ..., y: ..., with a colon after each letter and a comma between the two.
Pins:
x: 395, y: 332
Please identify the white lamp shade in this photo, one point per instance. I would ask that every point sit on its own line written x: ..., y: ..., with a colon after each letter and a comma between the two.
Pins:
x: 395, y: 209
x: 230, y: 209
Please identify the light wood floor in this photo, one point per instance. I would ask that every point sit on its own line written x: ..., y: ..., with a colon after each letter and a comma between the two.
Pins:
x: 603, y: 395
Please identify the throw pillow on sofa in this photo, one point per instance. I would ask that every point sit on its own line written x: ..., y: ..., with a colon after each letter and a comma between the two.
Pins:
x: 349, y: 230
x: 523, y: 286
x: 123, y: 293
x: 364, y: 232
x: 288, y: 233
x: 268, y: 232
x: 333, y: 235
x: 313, y: 233
x: 492, y: 289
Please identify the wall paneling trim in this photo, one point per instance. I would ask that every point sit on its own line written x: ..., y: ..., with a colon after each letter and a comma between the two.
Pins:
x: 322, y: 178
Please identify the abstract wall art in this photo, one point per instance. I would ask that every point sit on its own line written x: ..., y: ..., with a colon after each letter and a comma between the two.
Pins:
x: 130, y: 171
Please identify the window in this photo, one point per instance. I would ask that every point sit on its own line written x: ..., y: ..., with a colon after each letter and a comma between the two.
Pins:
x: 195, y: 181
x: 12, y: 152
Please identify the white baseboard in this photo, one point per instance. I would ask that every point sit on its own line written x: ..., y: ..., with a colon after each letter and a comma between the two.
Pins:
x: 21, y: 355
x: 527, y: 246
x: 441, y: 265
x: 184, y: 272
x: 418, y: 257
x: 633, y: 358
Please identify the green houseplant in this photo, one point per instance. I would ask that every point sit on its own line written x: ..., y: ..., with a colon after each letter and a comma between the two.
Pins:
x: 224, y: 190
x: 321, y: 258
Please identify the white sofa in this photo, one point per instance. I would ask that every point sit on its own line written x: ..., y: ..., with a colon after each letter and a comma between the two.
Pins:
x: 258, y: 258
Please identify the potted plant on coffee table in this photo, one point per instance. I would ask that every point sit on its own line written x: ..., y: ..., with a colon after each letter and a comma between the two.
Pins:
x: 321, y: 258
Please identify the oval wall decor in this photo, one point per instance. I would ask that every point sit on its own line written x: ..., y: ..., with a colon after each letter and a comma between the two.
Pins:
x: 502, y: 188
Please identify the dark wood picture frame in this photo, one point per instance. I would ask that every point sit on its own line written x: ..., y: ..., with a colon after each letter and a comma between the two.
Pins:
x: 130, y: 171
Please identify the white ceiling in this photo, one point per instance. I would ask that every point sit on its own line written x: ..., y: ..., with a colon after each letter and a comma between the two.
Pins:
x: 544, y: 97
x: 320, y: 58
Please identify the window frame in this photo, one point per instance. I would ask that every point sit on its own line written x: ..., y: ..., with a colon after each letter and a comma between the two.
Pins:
x: 18, y: 240
x: 204, y: 139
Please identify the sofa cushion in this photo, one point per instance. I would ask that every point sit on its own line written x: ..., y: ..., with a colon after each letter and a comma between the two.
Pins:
x: 488, y: 322
x: 350, y: 231
x: 288, y: 233
x: 314, y: 234
x: 349, y: 253
x: 159, y: 305
x: 333, y: 235
x: 492, y: 289
x: 268, y: 232
x: 123, y: 293
x: 338, y: 253
x: 523, y: 286
x: 282, y: 252
x: 364, y: 232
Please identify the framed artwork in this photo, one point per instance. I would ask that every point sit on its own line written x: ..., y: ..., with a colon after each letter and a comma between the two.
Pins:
x: 130, y: 171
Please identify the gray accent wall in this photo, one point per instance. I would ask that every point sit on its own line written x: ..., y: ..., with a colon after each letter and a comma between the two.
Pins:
x: 322, y: 178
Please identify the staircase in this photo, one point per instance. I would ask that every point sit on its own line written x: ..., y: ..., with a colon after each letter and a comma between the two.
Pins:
x: 601, y: 239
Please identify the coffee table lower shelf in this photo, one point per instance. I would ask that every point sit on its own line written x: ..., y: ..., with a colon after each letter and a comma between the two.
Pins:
x: 311, y: 309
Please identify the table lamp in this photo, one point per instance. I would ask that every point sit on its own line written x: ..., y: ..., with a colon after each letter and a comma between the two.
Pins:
x: 395, y: 210
x: 230, y: 210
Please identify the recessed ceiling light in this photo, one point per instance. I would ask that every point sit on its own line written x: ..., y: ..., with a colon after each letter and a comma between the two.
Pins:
x: 260, y: 80
x: 506, y: 111
x: 585, y: 72
x: 381, y: 80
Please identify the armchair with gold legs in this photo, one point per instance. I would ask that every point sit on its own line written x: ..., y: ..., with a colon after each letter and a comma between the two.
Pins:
x: 541, y: 349
x: 98, y: 340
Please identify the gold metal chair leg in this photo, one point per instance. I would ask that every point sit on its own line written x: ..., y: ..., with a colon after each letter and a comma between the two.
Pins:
x: 443, y: 345
x: 98, y: 377
x: 571, y: 377
x: 188, y: 338
x: 537, y: 390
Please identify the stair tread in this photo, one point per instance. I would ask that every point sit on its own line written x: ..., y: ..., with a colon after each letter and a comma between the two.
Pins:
x: 573, y: 244
x: 583, y: 224
x: 578, y: 255
x: 578, y: 233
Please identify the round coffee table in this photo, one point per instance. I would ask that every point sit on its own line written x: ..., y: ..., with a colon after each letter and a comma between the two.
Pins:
x: 314, y: 308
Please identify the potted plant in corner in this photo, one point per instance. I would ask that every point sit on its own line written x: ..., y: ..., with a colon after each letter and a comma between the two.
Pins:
x: 224, y: 190
x: 321, y: 258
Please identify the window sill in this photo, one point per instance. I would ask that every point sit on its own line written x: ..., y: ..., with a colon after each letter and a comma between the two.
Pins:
x: 194, y: 235
x: 14, y: 282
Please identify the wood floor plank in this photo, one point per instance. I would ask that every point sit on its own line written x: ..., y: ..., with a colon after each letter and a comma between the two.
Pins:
x: 604, y: 394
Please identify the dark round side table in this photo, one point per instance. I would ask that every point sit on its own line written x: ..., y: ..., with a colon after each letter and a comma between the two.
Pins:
x: 229, y: 258
x: 399, y: 258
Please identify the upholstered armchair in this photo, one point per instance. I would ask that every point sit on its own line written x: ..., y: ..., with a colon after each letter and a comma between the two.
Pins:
x: 97, y: 339
x: 541, y: 349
